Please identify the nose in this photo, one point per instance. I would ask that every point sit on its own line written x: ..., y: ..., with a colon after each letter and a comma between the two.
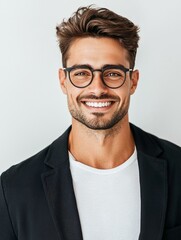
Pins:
x: 97, y: 87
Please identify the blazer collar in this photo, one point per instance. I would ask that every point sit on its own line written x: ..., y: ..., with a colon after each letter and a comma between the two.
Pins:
x: 58, y: 151
x: 59, y: 192
x: 145, y: 142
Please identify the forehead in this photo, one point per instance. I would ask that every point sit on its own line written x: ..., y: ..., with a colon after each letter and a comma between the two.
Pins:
x: 97, y: 52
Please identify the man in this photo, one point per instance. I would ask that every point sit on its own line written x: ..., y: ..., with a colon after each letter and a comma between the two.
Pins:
x: 104, y: 178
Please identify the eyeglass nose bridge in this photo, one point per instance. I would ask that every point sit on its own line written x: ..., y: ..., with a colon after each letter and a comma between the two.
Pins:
x: 101, y: 76
x: 97, y: 70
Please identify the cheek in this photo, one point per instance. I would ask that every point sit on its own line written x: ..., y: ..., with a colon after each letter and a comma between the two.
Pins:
x: 127, y: 88
x: 72, y: 97
x: 123, y: 92
x: 71, y: 102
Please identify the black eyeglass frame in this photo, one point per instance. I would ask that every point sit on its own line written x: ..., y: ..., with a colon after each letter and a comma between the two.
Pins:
x: 121, y: 67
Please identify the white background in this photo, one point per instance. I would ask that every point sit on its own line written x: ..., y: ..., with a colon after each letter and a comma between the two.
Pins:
x: 33, y: 111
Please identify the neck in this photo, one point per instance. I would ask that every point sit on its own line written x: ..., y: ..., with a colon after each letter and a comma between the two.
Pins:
x: 101, y: 149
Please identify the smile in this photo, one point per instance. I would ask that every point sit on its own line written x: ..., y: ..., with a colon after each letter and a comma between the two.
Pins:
x: 98, y: 104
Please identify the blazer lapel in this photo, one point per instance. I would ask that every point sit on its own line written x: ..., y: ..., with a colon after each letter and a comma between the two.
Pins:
x: 153, y: 184
x: 59, y: 192
x: 153, y: 196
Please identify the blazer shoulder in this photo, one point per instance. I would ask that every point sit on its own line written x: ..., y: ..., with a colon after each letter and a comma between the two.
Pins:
x: 168, y: 146
x: 172, y: 153
x: 164, y: 143
x: 35, y: 165
x: 152, y: 144
x: 27, y: 166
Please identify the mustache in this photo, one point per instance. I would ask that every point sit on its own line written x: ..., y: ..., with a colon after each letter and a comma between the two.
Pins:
x: 102, y: 96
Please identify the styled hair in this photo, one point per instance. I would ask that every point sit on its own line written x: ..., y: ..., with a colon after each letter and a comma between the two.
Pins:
x: 98, y: 22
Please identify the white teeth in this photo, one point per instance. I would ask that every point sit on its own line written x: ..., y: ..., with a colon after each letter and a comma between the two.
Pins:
x: 98, y: 104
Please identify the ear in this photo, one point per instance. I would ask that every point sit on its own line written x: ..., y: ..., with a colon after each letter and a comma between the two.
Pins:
x: 134, y: 81
x: 62, y: 80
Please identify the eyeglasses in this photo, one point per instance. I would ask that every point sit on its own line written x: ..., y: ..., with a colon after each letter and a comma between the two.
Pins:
x: 113, y: 76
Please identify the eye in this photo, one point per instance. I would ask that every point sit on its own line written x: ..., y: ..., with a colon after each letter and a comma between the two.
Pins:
x: 81, y: 73
x: 113, y: 73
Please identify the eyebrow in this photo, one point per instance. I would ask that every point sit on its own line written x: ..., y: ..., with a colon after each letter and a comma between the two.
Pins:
x: 89, y: 66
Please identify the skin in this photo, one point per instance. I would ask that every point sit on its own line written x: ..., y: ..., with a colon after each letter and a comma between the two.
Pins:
x: 100, y: 137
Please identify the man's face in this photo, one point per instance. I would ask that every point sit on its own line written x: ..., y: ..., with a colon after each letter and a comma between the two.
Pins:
x: 98, y: 106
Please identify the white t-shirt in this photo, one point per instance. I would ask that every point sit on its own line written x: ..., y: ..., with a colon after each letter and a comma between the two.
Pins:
x: 108, y: 200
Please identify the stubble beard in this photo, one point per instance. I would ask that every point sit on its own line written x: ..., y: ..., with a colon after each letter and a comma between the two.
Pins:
x: 98, y: 123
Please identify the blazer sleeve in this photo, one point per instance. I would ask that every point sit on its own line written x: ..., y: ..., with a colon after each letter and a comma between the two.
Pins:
x: 6, y: 228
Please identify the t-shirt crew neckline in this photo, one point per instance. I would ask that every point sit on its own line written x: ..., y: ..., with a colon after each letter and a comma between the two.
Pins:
x: 121, y: 167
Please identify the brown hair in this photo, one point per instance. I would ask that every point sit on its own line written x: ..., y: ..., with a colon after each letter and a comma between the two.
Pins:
x: 98, y: 22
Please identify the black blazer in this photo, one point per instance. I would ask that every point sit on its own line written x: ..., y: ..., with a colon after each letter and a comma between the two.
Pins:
x: 37, y: 200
